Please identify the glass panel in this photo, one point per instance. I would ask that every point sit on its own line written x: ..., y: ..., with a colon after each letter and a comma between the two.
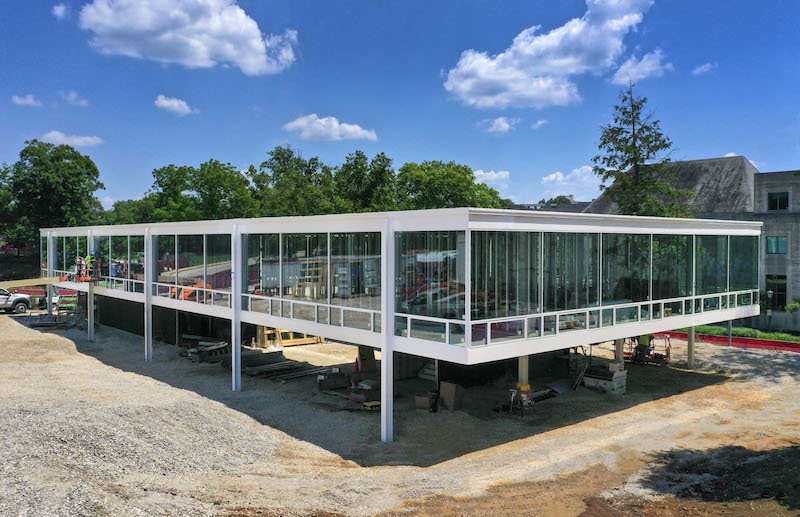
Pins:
x: 357, y: 319
x: 376, y: 321
x: 83, y: 246
x: 305, y: 266
x: 689, y: 307
x: 430, y: 274
x: 259, y: 305
x: 101, y: 255
x: 59, y: 252
x: 626, y: 268
x: 549, y: 325
x: 165, y: 259
x: 777, y: 201
x: 776, y: 292
x: 218, y: 262
x: 322, y: 314
x: 673, y: 309
x: 723, y: 302
x: 336, y: 316
x: 534, y: 327
x: 570, y: 322
x: 656, y: 311
x: 608, y: 317
x: 710, y: 304
x: 71, y: 253
x: 712, y: 264
x: 478, y: 334
x: 263, y: 264
x: 672, y: 266
x: 743, y: 299
x: 457, y: 336
x: 118, y: 267
x: 505, y: 273
x: 507, y: 330
x: 43, y: 251
x: 400, y: 326
x: 286, y: 309
x: 356, y: 270
x: 190, y: 268
x: 626, y: 314
x: 744, y: 263
x: 429, y: 330
x: 644, y: 313
x: 275, y: 307
x: 594, y: 319
x: 698, y: 305
x: 304, y: 312
x: 137, y: 257
x: 732, y: 300
x: 570, y: 262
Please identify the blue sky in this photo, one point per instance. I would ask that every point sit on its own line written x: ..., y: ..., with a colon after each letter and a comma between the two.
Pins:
x: 142, y: 84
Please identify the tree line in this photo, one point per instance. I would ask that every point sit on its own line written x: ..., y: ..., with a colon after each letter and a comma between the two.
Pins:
x: 55, y: 185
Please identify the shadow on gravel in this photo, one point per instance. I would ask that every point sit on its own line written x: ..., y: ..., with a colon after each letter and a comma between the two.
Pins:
x: 421, y: 438
x: 744, y: 363
x: 727, y: 474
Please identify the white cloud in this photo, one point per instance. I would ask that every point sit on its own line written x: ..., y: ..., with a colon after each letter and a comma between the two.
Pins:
x: 60, y: 11
x: 634, y: 69
x: 72, y: 97
x: 59, y: 138
x: 730, y: 155
x: 538, y: 124
x: 581, y: 182
x: 500, y: 125
x: 535, y: 70
x: 491, y: 176
x: 312, y: 127
x: 193, y: 33
x: 26, y: 100
x: 704, y: 68
x: 108, y: 202
x: 177, y: 106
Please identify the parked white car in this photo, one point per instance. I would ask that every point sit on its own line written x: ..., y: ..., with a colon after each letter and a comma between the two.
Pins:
x: 14, y: 302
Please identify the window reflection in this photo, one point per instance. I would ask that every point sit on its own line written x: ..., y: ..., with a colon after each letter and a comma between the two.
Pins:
x: 570, y: 271
x: 356, y: 270
x: 305, y: 266
x: 626, y: 268
x: 672, y: 266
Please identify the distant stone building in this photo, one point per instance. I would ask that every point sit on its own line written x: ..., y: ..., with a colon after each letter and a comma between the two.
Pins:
x: 732, y: 188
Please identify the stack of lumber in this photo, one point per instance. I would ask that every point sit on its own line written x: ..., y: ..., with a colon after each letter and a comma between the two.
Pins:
x: 284, y: 371
x: 255, y: 357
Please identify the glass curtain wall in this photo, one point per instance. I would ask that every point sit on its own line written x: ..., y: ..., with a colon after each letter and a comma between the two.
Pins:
x: 305, y: 266
x: 70, y: 253
x: 711, y: 264
x: 137, y: 261
x: 83, y: 246
x: 672, y: 266
x: 59, y: 253
x: 164, y: 271
x: 190, y: 268
x: 744, y: 263
x: 571, y: 271
x: 263, y: 264
x: 118, y: 265
x: 626, y: 268
x: 218, y: 261
x: 102, y: 256
x: 505, y: 274
x: 429, y: 274
x: 356, y: 270
x: 43, y: 253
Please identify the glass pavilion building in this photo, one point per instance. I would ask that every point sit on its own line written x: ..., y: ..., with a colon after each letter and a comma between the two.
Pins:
x: 463, y: 285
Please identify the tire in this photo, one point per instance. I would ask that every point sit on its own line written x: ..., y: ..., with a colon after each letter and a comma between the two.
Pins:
x: 20, y: 308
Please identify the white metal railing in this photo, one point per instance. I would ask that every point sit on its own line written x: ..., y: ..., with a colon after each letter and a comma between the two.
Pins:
x: 318, y: 312
x: 481, y: 332
x: 189, y: 293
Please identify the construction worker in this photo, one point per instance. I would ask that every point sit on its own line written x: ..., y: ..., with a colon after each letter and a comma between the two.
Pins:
x: 89, y: 260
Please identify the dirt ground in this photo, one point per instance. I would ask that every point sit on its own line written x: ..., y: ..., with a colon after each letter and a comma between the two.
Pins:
x: 91, y: 429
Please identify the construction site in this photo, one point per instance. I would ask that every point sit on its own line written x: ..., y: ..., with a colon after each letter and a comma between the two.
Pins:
x: 551, y: 368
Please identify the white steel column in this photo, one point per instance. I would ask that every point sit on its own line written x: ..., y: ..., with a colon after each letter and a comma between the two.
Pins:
x: 619, y: 350
x: 148, y: 295
x: 690, y: 349
x: 50, y: 259
x: 236, y: 305
x: 90, y: 290
x: 387, y: 326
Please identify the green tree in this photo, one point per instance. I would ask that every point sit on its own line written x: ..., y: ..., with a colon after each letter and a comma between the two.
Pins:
x: 558, y: 200
x: 51, y: 185
x: 366, y: 186
x: 635, y: 158
x: 436, y: 184
x: 172, y: 194
x: 132, y: 211
x: 221, y: 191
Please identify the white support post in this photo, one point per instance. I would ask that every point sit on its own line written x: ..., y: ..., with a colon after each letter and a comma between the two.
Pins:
x: 236, y: 306
x: 730, y: 332
x: 50, y: 259
x: 148, y: 295
x: 387, y: 320
x: 90, y: 312
x: 690, y: 349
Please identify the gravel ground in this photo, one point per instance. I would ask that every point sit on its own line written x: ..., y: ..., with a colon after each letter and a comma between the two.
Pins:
x: 93, y: 430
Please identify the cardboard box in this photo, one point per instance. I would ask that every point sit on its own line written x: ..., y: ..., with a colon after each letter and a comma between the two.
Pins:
x: 452, y: 396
